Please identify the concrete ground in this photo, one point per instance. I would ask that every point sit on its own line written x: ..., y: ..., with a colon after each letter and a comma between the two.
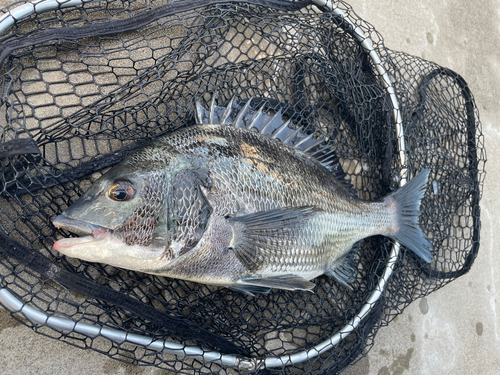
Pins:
x: 455, y: 330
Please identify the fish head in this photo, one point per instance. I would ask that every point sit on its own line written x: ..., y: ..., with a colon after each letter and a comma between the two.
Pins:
x: 121, y: 219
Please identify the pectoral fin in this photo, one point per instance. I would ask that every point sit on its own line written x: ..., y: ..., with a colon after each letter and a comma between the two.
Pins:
x: 260, y: 236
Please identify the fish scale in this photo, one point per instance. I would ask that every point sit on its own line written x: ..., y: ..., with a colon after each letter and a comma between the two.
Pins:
x: 250, y: 203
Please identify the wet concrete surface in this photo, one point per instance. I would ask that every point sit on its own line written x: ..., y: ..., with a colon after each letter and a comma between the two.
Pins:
x: 455, y: 330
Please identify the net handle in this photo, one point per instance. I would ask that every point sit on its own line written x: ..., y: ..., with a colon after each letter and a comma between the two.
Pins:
x: 16, y: 305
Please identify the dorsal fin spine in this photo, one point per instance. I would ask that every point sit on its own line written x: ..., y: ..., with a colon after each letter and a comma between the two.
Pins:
x: 227, y: 111
x: 238, y: 122
x: 310, y: 148
x: 289, y: 139
x: 212, y: 111
x: 255, y: 118
x: 303, y: 140
x: 276, y: 120
x: 280, y: 129
x: 321, y: 149
x: 199, y: 113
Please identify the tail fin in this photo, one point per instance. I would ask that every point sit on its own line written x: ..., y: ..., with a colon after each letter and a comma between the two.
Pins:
x: 408, y: 200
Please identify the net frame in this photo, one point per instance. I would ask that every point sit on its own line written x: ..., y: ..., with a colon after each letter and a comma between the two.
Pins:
x: 248, y: 364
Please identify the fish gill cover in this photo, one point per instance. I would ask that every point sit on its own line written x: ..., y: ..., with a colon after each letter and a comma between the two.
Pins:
x: 84, y: 85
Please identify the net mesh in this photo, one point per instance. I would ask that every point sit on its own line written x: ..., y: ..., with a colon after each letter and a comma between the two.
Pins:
x: 84, y: 86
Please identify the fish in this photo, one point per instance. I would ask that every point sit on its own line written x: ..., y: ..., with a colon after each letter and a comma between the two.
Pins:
x: 243, y: 200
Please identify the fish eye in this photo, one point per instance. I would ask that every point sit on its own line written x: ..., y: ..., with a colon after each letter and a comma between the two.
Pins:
x: 121, y: 191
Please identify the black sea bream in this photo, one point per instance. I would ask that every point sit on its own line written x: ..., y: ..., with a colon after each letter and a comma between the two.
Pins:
x: 240, y: 200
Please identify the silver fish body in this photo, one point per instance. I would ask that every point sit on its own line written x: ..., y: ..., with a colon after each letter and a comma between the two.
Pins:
x: 241, y: 200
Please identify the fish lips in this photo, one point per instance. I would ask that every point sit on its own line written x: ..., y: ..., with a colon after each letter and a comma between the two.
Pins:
x: 90, y: 232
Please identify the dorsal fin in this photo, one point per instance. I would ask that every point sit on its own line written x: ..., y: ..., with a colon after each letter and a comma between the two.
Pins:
x: 274, y: 122
x: 271, y: 126
x: 226, y: 116
x: 243, y: 116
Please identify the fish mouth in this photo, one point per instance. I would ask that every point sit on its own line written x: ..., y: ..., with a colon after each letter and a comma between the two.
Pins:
x: 88, y: 232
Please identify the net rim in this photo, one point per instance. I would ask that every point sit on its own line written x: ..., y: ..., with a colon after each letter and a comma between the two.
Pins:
x: 15, y: 305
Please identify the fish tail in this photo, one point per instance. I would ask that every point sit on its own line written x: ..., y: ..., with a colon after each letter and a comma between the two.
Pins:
x: 408, y: 200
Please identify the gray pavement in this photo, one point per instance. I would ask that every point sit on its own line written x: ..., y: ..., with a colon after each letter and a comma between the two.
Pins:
x: 455, y: 330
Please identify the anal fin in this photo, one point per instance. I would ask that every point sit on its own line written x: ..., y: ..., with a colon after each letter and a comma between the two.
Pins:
x: 344, y: 269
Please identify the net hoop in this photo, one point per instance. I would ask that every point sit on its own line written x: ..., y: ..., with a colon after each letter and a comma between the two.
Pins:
x: 15, y: 305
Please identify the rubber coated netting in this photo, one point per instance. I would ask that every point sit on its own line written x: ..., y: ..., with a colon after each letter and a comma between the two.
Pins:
x: 84, y: 85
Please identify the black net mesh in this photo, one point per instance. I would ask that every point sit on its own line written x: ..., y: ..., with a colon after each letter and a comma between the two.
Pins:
x: 83, y: 86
